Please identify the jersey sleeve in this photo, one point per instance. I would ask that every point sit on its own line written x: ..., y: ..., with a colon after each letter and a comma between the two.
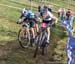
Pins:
x: 50, y: 14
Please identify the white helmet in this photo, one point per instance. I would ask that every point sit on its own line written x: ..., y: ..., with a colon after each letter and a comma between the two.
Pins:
x: 25, y: 11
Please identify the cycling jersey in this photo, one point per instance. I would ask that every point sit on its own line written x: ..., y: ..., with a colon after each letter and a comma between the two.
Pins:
x: 31, y: 21
x: 30, y: 18
x: 48, y: 18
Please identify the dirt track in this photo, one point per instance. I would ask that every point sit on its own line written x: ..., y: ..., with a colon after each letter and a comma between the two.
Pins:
x: 12, y: 53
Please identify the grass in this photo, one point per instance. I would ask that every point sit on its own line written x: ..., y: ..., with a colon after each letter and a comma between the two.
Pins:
x: 6, y: 12
x: 8, y: 30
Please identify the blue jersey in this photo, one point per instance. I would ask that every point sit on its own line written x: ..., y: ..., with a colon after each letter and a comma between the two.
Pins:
x: 30, y: 14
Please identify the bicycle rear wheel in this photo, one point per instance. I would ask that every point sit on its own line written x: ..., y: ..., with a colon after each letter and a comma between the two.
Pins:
x: 24, y: 40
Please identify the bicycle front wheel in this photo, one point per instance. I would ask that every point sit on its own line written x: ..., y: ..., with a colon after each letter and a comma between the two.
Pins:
x: 23, y: 39
x: 43, y: 42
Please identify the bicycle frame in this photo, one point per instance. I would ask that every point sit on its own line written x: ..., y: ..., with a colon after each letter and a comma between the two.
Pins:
x: 43, y: 35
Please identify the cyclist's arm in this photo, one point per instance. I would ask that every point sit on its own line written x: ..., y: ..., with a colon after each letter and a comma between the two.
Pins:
x: 50, y: 14
x: 53, y: 17
x: 22, y: 15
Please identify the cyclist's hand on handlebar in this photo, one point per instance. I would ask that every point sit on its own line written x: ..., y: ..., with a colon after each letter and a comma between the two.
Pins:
x: 55, y: 19
x: 19, y: 22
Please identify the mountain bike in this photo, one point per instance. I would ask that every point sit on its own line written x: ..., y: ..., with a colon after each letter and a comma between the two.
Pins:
x: 25, y: 39
x: 41, y: 40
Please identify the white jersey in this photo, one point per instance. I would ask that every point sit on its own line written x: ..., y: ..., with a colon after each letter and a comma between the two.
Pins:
x: 50, y: 14
x: 49, y: 17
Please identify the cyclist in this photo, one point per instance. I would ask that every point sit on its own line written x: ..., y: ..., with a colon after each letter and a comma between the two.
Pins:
x: 28, y: 18
x: 31, y: 20
x: 48, y: 17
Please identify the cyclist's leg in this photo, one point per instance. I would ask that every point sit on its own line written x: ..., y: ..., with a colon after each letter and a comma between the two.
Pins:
x: 48, y: 31
x: 36, y: 28
x: 37, y: 25
x: 48, y: 37
x: 32, y: 29
x: 33, y: 32
x: 23, y: 31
